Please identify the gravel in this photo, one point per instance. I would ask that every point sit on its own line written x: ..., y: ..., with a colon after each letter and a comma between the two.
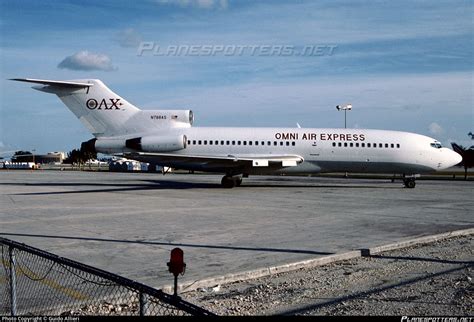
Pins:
x: 428, y: 279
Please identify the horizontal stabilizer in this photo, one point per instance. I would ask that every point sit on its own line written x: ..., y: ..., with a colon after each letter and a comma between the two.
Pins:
x: 52, y: 82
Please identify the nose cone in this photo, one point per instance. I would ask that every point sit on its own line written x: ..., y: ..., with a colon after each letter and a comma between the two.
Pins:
x: 453, y: 158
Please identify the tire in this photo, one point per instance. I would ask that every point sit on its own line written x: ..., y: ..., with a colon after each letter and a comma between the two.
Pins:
x: 410, y: 183
x: 227, y: 182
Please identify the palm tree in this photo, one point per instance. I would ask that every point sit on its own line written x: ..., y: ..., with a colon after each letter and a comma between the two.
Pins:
x: 467, y: 156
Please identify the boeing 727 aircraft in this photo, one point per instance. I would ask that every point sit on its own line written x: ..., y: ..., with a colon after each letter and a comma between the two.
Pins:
x: 167, y: 138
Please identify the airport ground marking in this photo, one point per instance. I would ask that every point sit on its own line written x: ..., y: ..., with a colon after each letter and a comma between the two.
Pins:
x: 22, y: 270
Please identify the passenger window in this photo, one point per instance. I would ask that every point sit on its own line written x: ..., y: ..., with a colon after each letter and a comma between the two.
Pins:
x: 398, y: 146
x: 199, y: 142
x: 287, y: 143
x: 392, y: 145
x: 275, y: 143
x: 363, y: 145
x: 233, y: 142
x: 345, y: 144
x: 222, y: 142
x: 357, y: 145
x: 386, y: 145
x: 281, y: 143
x: 351, y: 144
x: 238, y: 142
x: 250, y: 142
x: 216, y: 142
x: 368, y: 145
x: 227, y: 142
x: 380, y: 145
x: 333, y: 143
x: 194, y: 142
x: 293, y: 143
x: 210, y: 142
x: 256, y: 142
x: 339, y: 144
x: 205, y: 142
x: 245, y: 142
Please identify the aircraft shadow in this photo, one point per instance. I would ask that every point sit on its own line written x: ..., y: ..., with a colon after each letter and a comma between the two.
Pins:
x: 181, y: 185
x: 114, y: 187
x: 142, y: 242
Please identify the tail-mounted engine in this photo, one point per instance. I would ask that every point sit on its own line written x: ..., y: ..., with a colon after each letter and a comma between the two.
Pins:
x: 168, y: 118
x: 140, y: 144
x: 157, y: 143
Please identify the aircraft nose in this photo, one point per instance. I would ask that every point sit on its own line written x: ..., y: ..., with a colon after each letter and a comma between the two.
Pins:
x: 453, y: 158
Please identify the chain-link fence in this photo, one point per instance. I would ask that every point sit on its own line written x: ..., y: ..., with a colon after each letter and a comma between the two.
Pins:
x: 34, y: 282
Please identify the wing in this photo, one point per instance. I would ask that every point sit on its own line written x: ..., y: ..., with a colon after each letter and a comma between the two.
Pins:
x: 223, y: 163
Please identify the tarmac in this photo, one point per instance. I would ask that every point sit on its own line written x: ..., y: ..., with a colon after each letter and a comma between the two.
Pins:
x: 127, y: 223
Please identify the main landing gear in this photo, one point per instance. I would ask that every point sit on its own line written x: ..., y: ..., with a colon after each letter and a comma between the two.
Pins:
x: 231, y: 181
x: 409, y: 183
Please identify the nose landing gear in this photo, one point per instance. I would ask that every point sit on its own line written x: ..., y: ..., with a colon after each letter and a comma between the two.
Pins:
x: 409, y: 183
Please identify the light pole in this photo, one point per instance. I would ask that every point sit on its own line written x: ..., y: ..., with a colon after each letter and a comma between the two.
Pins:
x: 34, y: 150
x: 345, y: 108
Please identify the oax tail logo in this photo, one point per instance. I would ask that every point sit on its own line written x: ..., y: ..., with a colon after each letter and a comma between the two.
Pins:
x: 110, y: 104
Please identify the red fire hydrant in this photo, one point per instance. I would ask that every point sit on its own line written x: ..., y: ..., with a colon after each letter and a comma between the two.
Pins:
x: 177, y: 266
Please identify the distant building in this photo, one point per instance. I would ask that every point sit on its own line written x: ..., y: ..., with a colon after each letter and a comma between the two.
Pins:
x: 125, y: 165
x: 17, y: 165
x: 51, y: 157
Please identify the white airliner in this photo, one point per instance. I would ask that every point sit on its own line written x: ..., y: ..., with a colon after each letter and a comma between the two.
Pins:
x: 167, y: 138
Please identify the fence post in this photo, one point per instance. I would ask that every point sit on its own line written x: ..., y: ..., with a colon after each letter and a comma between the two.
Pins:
x: 143, y: 303
x: 12, y: 281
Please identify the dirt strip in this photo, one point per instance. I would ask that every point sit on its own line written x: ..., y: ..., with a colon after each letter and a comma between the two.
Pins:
x: 428, y: 279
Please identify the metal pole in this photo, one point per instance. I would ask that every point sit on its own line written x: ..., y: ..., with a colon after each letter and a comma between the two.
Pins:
x: 175, y: 285
x: 34, y: 150
x: 12, y: 281
x: 142, y: 301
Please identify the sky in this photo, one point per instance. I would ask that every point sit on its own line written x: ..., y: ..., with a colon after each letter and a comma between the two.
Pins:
x: 403, y: 65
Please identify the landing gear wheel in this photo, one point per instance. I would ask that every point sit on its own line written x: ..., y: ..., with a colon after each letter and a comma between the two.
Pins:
x: 231, y: 182
x: 409, y: 183
x: 228, y: 182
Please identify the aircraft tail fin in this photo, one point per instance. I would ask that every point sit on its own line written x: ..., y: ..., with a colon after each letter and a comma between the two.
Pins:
x: 102, y: 111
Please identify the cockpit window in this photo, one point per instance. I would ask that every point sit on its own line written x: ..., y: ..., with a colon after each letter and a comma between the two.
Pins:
x: 436, y: 145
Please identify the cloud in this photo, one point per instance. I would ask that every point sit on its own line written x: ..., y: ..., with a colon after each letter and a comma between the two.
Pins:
x: 202, y: 4
x: 128, y: 38
x: 5, y: 150
x: 85, y: 60
x: 435, y: 129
